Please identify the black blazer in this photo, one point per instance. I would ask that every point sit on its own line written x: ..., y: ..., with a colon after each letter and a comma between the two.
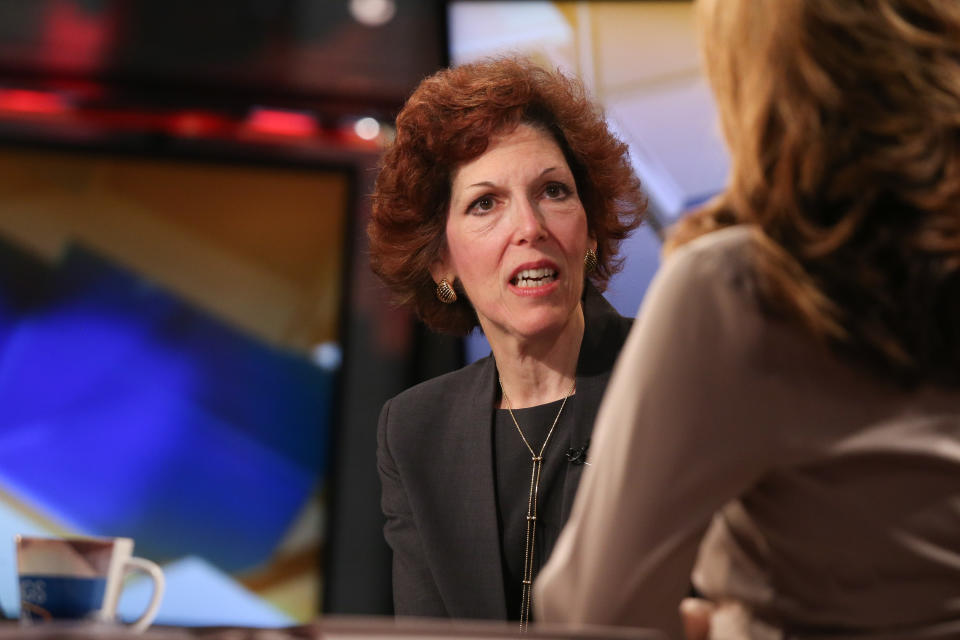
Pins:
x: 435, y: 457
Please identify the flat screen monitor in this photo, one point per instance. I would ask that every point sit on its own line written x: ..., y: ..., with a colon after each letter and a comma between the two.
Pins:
x: 168, y: 359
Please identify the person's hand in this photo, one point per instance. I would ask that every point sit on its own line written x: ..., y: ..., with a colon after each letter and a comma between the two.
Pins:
x: 695, y: 614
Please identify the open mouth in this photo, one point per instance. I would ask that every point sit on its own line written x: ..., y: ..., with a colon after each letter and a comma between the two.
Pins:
x: 533, y: 278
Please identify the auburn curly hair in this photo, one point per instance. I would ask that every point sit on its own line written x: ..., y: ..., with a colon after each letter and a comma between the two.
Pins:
x: 843, y: 122
x: 449, y: 120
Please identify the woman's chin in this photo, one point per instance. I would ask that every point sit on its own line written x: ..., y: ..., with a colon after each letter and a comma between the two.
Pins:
x: 542, y: 325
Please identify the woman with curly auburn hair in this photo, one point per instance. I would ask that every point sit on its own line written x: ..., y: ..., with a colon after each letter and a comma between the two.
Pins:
x: 795, y: 445
x: 501, y: 203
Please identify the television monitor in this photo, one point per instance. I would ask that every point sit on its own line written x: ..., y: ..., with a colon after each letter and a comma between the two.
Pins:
x: 124, y: 128
x: 168, y: 364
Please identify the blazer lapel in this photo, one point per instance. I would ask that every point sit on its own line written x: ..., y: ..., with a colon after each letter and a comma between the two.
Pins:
x: 470, y: 560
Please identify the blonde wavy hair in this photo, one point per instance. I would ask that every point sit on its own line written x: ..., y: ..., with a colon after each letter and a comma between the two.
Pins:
x: 843, y: 124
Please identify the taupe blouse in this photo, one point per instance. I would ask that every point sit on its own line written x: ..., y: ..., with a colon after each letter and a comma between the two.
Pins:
x: 804, y: 495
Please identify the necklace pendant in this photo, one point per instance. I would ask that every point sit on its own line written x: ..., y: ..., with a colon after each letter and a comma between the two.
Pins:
x: 528, y: 561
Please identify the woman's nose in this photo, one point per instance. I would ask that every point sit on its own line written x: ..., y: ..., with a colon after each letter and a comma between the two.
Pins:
x: 529, y: 222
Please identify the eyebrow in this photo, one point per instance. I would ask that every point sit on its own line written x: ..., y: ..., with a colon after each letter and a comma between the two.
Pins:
x: 487, y: 183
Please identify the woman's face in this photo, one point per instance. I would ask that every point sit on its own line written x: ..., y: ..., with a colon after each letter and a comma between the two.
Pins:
x: 516, y: 236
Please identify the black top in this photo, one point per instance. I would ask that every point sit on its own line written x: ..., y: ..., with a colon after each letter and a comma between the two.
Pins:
x: 513, y: 468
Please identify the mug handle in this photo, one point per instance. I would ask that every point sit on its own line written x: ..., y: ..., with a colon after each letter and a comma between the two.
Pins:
x: 151, y: 569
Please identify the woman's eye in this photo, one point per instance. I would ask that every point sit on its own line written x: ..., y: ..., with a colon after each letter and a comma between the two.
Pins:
x: 556, y: 190
x: 482, y: 204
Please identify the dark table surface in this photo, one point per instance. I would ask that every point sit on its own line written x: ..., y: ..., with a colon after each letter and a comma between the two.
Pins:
x: 327, y: 628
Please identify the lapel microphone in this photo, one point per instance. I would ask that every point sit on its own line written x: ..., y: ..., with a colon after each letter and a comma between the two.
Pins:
x: 578, y: 455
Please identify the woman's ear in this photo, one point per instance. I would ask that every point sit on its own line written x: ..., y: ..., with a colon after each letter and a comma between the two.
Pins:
x: 440, y: 270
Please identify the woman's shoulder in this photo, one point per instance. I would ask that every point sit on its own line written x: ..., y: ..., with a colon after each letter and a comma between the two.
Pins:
x: 438, y: 409
x: 445, y: 389
x: 730, y: 246
x: 716, y: 264
x: 704, y: 301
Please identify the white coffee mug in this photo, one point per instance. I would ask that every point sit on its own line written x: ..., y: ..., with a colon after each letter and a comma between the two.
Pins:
x: 80, y: 579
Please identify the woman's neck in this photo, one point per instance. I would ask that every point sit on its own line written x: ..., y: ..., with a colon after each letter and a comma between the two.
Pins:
x: 542, y: 369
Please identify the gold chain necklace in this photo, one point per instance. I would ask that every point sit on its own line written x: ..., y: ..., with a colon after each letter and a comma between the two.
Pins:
x: 537, y: 459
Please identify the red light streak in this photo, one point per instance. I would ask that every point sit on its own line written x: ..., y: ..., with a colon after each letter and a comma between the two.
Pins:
x: 33, y: 102
x: 281, y: 123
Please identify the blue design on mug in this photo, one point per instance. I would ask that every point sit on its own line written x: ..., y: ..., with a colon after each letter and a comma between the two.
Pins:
x: 44, y: 597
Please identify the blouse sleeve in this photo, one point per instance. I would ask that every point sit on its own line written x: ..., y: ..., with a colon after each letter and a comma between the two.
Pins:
x: 676, y: 437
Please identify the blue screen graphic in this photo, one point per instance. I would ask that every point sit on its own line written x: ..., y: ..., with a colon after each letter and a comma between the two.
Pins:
x: 127, y: 411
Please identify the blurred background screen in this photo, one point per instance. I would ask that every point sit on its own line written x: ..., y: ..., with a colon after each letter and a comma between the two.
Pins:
x: 182, y: 201
x: 156, y: 326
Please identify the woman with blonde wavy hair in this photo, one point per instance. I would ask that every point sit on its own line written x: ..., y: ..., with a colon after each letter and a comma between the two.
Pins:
x: 783, y: 425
